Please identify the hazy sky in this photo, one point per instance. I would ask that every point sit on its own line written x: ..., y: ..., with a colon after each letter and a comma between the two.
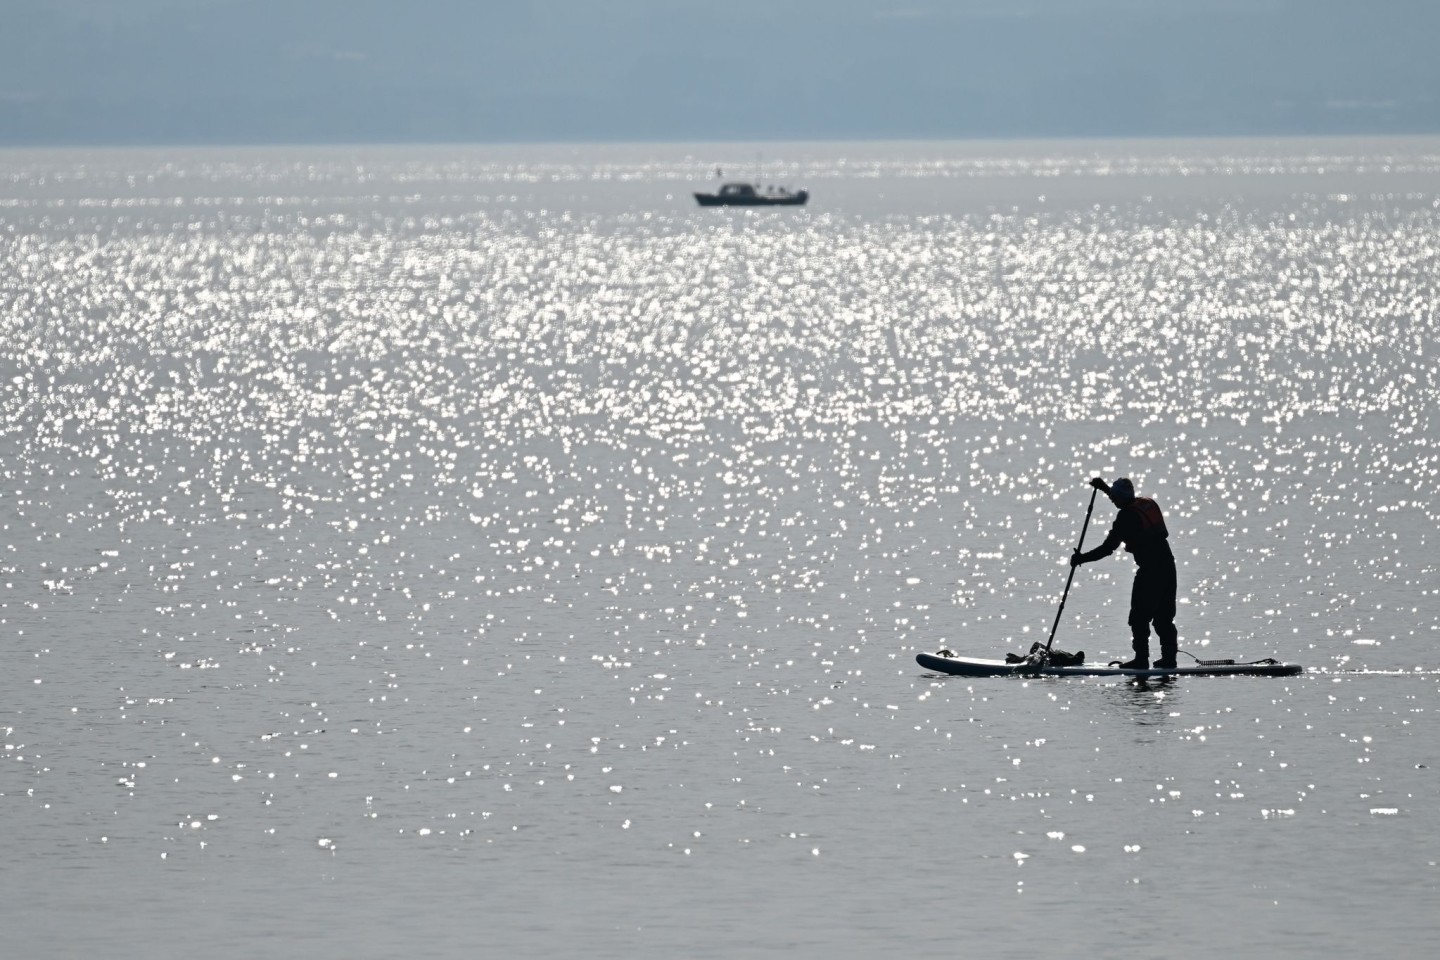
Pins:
x: 278, y: 71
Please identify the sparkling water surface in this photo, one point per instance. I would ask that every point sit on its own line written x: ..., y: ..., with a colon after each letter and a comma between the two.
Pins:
x: 444, y: 552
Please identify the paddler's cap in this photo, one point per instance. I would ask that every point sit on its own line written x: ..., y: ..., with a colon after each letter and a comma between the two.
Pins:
x: 1123, y: 490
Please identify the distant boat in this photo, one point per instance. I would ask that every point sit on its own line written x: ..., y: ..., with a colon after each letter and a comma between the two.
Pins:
x: 748, y: 195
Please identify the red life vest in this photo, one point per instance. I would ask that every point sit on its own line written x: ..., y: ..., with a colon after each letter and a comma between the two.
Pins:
x: 1152, y: 524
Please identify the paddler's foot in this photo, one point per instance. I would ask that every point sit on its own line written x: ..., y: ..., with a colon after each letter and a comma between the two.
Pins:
x: 1139, y: 663
x: 1165, y: 663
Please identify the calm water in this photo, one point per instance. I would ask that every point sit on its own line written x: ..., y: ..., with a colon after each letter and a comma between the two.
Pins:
x: 487, y: 552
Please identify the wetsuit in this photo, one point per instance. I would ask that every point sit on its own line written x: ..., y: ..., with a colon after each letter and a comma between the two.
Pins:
x: 1140, y: 526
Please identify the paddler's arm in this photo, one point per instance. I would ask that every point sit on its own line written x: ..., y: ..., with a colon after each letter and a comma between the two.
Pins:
x: 1108, y: 546
x: 1112, y: 540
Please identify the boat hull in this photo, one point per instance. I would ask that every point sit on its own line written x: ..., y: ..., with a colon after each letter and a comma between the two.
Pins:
x: 757, y: 200
x: 978, y: 667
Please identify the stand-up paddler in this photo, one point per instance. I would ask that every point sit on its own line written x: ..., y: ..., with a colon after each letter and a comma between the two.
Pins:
x: 1141, y: 528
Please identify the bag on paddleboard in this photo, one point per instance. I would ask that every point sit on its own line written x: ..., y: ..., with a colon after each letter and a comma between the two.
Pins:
x: 1058, y: 657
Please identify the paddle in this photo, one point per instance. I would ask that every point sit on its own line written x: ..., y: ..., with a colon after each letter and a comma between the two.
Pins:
x: 1037, y: 659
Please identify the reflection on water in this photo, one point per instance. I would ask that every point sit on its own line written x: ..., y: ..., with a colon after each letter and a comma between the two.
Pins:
x: 493, y: 547
x: 1147, y: 702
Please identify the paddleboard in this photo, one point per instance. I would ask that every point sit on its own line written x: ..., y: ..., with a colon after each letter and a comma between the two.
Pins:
x: 976, y: 667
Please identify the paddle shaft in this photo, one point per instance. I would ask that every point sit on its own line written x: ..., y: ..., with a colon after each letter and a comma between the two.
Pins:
x: 1056, y: 625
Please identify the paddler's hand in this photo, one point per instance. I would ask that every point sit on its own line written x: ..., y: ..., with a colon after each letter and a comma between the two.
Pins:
x: 1075, y: 560
x: 1100, y: 485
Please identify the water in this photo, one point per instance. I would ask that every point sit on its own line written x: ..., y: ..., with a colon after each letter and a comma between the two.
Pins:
x: 433, y: 552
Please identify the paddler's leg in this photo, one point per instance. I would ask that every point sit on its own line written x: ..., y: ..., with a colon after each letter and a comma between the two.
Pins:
x: 1140, y: 614
x: 1164, y: 618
